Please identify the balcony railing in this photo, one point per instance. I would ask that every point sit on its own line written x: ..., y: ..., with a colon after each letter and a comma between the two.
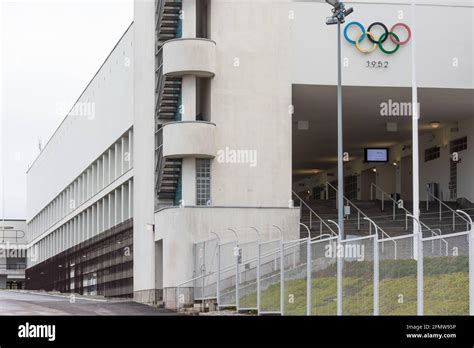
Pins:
x: 11, y: 236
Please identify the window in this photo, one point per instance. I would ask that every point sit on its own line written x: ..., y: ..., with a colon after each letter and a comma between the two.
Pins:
x: 203, y: 181
x: 459, y: 144
x: 432, y: 153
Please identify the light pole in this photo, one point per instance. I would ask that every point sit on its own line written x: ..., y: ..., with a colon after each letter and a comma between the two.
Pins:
x: 415, y: 118
x: 376, y: 266
x: 338, y: 17
x: 418, y: 250
x: 339, y: 264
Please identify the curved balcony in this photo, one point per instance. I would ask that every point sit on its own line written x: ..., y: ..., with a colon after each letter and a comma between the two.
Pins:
x: 189, y: 57
x: 189, y: 139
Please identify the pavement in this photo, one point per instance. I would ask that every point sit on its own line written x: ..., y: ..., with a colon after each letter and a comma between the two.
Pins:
x: 20, y: 302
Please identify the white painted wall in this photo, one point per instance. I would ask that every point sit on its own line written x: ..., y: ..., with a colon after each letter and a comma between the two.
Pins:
x: 179, y: 228
x: 144, y: 150
x: 80, y: 139
x: 251, y: 95
x: 313, y: 45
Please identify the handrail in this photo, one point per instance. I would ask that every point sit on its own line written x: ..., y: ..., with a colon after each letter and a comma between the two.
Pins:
x: 19, y: 234
x: 441, y: 203
x: 359, y: 212
x: 442, y: 239
x: 311, y: 211
x: 396, y: 204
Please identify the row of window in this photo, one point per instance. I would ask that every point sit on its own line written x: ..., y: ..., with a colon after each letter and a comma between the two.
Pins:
x: 114, y: 162
x: 203, y: 182
x: 111, y: 210
x: 455, y: 146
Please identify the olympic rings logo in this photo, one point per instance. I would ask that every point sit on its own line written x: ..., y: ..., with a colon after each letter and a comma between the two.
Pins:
x: 380, y: 41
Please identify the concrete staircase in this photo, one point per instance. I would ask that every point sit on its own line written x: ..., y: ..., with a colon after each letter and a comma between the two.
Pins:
x: 393, y: 224
x: 168, y: 100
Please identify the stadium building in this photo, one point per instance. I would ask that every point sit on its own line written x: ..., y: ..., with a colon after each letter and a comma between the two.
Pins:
x: 217, y: 119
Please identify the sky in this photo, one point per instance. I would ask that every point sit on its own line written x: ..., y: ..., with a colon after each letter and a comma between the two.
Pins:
x: 49, y: 51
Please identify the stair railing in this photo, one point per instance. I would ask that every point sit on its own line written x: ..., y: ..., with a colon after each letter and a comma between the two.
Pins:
x: 399, y: 205
x: 312, y: 214
x: 160, y: 160
x: 441, y: 204
x: 348, y: 202
x: 385, y: 235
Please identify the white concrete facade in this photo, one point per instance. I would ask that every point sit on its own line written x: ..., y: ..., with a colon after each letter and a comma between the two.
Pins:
x: 230, y: 144
x: 81, y: 184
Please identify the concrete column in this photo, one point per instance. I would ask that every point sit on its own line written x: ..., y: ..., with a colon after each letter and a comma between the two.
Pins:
x: 188, y: 95
x: 189, y: 181
x: 144, y: 107
x: 189, y: 18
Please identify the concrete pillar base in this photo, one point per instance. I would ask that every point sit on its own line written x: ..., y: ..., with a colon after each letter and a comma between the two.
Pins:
x: 186, y: 297
x: 151, y: 296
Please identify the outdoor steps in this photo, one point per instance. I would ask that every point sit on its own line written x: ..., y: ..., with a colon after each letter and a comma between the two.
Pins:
x: 326, y: 209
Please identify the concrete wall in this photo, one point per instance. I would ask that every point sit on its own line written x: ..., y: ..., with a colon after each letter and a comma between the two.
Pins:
x: 103, y: 113
x: 313, y: 45
x: 143, y: 120
x: 250, y: 99
x: 179, y: 228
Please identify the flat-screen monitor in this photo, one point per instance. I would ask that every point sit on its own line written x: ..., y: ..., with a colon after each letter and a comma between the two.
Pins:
x: 376, y: 155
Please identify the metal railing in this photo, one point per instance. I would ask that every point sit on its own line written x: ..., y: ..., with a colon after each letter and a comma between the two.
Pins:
x: 299, y: 277
x: 441, y: 205
x: 312, y: 213
x: 399, y: 205
x: 359, y: 214
x: 12, y: 266
x: 14, y: 235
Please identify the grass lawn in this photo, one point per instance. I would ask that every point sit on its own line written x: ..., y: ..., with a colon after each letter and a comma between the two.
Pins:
x: 446, y: 290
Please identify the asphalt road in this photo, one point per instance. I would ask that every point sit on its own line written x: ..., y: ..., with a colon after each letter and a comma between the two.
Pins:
x: 25, y: 303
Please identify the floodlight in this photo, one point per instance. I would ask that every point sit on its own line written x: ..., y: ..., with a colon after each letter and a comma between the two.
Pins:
x: 348, y: 11
x: 331, y: 20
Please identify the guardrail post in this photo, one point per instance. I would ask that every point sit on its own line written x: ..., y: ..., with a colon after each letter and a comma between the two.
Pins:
x: 339, y: 275
x: 427, y: 198
x: 308, y: 277
x: 237, y: 279
x: 419, y: 271
x: 440, y: 211
x: 259, y: 253
x: 177, y: 299
x: 454, y: 222
x: 218, y: 284
x: 282, y: 280
x: 376, y: 273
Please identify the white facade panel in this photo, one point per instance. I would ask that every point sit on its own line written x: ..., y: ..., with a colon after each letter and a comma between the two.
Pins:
x: 102, y: 114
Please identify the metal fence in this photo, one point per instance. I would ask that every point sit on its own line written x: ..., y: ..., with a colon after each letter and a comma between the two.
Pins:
x: 404, y: 275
